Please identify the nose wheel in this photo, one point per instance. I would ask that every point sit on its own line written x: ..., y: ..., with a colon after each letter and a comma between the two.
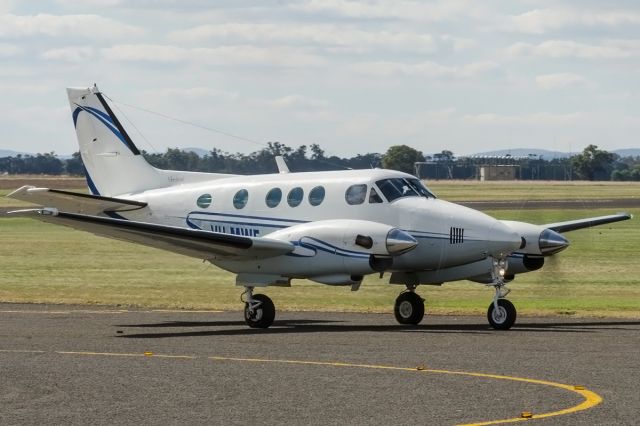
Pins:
x: 409, y: 308
x: 501, y: 314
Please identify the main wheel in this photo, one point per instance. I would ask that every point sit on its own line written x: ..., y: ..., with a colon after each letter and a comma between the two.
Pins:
x: 263, y: 315
x: 409, y: 308
x: 503, y: 317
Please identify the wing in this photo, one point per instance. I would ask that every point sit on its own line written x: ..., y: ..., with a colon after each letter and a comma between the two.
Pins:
x: 572, y: 225
x: 74, y: 202
x: 190, y: 242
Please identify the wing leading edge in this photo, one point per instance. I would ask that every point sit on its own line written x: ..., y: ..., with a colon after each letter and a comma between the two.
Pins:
x: 190, y: 242
x: 572, y: 225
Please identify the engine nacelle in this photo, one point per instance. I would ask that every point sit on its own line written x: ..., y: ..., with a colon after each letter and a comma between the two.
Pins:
x: 538, y: 240
x: 360, y: 236
x: 343, y: 249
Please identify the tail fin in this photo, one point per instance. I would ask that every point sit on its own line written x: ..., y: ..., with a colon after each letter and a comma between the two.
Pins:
x: 113, y: 163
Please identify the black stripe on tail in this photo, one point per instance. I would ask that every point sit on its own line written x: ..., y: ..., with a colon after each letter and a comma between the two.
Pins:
x: 124, y: 133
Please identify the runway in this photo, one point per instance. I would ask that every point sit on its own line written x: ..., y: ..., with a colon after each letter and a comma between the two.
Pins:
x: 102, y: 365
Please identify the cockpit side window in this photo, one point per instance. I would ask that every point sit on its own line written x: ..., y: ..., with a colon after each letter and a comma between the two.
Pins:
x: 374, y: 197
x: 419, y: 187
x: 356, y: 194
x: 396, y: 188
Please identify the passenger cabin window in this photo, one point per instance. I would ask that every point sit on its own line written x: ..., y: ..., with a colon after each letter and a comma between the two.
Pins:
x: 204, y: 201
x: 316, y: 196
x: 356, y: 194
x: 294, y: 198
x: 399, y: 187
x: 240, y: 199
x: 374, y: 197
x: 273, y: 198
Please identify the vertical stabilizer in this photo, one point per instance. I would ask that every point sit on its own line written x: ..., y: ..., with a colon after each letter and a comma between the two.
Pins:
x: 114, y: 165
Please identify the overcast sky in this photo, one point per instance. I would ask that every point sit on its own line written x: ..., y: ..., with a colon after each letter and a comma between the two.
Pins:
x: 351, y: 76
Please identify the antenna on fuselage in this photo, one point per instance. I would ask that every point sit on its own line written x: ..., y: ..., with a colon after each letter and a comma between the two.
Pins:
x: 282, y: 165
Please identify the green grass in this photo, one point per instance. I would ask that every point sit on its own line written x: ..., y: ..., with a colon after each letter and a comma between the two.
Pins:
x: 533, y: 190
x: 42, y: 263
x: 466, y: 190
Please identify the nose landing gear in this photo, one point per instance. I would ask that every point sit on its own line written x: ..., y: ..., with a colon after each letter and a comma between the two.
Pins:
x: 501, y: 313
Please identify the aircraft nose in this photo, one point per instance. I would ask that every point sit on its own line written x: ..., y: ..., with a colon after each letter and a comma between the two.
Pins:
x: 504, y: 240
x: 551, y: 242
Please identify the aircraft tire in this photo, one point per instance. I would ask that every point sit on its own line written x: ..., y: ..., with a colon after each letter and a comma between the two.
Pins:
x: 409, y: 308
x: 504, y: 317
x: 263, y: 316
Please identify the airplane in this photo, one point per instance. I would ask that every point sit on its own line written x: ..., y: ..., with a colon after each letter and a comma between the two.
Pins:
x: 332, y: 227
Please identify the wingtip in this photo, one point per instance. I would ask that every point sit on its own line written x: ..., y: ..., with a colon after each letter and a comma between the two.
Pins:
x: 626, y: 215
x: 20, y: 190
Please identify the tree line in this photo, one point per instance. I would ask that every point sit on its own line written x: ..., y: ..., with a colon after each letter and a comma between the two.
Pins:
x: 591, y: 164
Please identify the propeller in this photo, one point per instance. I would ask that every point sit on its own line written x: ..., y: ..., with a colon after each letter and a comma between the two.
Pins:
x: 551, y: 242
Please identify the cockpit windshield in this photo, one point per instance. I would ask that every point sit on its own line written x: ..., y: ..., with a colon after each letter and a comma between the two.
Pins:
x: 400, y: 187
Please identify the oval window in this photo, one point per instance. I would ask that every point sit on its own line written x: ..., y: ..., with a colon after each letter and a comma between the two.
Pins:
x: 295, y: 197
x: 240, y: 199
x: 356, y: 194
x: 316, y: 196
x: 204, y: 201
x: 273, y: 197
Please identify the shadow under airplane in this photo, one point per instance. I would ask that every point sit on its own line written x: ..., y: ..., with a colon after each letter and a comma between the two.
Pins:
x: 290, y: 326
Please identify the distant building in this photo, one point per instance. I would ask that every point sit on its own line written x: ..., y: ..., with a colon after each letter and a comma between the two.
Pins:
x: 498, y: 172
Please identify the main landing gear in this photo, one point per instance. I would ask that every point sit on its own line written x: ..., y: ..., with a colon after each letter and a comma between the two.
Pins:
x: 409, y: 307
x: 501, y: 313
x: 259, y: 310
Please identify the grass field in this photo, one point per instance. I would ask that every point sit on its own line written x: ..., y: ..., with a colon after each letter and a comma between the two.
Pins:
x: 596, y: 276
x: 449, y: 190
x: 533, y: 190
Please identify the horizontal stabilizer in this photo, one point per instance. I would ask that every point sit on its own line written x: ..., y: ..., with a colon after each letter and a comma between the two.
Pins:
x: 572, y: 225
x: 74, y: 202
x: 189, y: 242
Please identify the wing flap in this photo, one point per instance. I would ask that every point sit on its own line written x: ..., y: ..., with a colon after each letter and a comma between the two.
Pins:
x: 74, y: 202
x: 572, y: 225
x: 189, y: 242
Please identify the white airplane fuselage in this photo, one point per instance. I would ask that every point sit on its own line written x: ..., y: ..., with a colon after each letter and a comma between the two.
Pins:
x: 447, y: 234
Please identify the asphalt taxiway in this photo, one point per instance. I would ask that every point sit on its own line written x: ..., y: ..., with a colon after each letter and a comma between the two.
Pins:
x: 102, y: 365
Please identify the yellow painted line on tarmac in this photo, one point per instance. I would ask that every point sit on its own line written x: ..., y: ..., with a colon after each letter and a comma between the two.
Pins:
x: 591, y: 399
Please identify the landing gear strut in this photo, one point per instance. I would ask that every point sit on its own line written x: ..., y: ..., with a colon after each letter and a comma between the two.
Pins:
x: 259, y: 311
x: 409, y: 307
x: 501, y: 313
